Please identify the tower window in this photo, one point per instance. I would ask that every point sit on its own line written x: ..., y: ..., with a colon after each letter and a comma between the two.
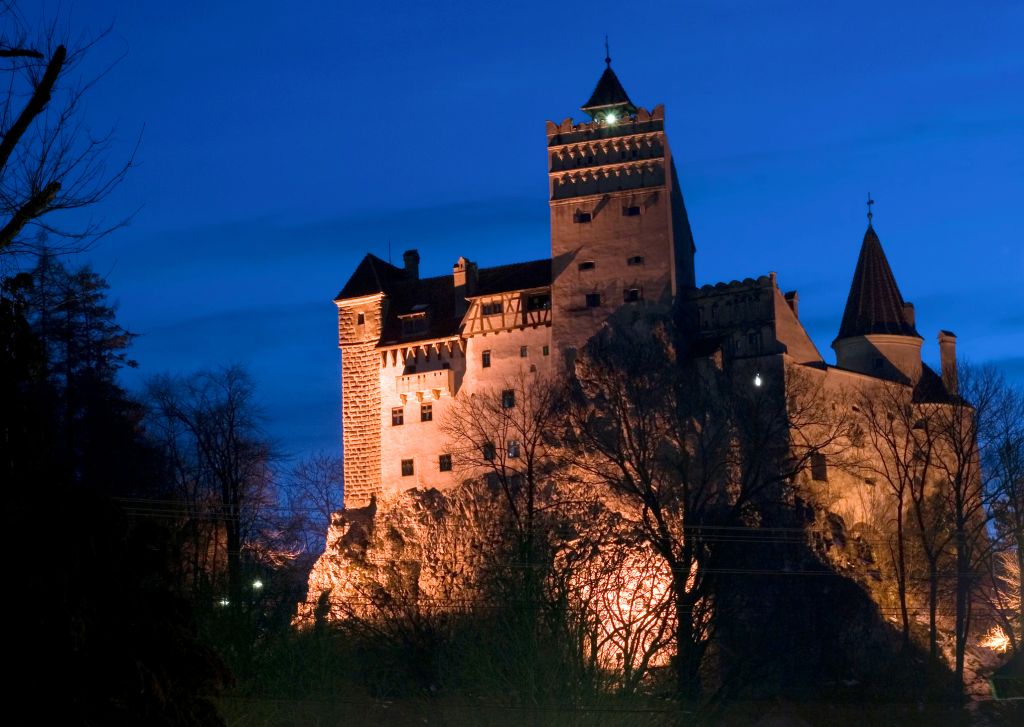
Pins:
x: 361, y: 318
x: 631, y: 295
x: 485, y: 359
x: 492, y: 309
x: 508, y: 399
x: 819, y: 467
x: 407, y: 468
x: 582, y: 217
x: 631, y: 211
x: 593, y: 300
x: 444, y: 462
x: 397, y: 416
x: 635, y: 260
x: 426, y: 412
x: 524, y: 351
x: 489, y: 451
x: 587, y: 265
x: 546, y: 351
x: 513, y: 448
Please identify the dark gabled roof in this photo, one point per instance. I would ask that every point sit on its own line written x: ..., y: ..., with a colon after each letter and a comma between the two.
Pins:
x: 608, y: 93
x: 372, y: 275
x: 875, y: 304
x: 517, y: 276
x: 439, y: 295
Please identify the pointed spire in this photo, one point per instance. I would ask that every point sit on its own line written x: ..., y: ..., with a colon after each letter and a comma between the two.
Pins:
x: 875, y: 304
x: 609, y: 97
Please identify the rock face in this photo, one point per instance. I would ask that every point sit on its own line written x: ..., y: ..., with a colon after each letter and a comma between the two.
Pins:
x: 425, y: 545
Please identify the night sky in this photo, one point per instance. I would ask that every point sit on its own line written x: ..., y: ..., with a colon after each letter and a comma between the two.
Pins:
x: 282, y: 142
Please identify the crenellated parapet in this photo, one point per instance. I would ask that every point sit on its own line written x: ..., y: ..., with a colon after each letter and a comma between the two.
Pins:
x: 643, y: 121
x: 742, y: 313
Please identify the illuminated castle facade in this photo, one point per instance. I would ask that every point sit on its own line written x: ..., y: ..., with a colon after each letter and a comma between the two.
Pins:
x: 620, y: 236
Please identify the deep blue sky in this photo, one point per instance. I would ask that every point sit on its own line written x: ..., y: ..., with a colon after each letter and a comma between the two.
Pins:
x: 283, y: 141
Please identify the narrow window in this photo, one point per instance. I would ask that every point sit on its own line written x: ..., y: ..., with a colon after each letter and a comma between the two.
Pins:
x: 508, y: 399
x: 546, y: 350
x: 541, y: 301
x: 582, y: 217
x: 631, y: 295
x: 513, y: 448
x: 819, y: 468
x: 635, y: 260
x: 444, y: 462
x: 524, y: 351
x: 489, y: 451
x: 407, y: 469
x: 593, y: 300
x: 426, y: 412
x: 631, y: 211
x: 587, y: 265
x: 485, y: 359
x: 492, y: 309
x: 397, y: 416
x: 361, y: 318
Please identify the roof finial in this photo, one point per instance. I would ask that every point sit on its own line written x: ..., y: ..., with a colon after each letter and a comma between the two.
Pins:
x: 607, y: 54
x: 870, y: 214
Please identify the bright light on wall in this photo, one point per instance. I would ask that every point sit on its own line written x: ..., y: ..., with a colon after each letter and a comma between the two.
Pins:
x: 611, y: 118
x: 757, y: 379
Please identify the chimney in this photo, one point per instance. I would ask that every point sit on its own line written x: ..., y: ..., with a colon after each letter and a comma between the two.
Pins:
x: 947, y: 354
x: 412, y: 263
x: 793, y: 301
x: 908, y: 311
x: 464, y: 277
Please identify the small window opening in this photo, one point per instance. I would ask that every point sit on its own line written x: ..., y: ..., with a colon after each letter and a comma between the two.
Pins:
x: 508, y: 399
x: 485, y: 359
x: 489, y: 451
x: 361, y: 318
x: 582, y: 218
x: 631, y: 295
x: 587, y: 265
x: 631, y: 211
x: 546, y: 351
x: 407, y: 468
x: 397, y: 416
x: 593, y: 300
x: 444, y: 462
x: 819, y: 467
x: 524, y: 351
x: 426, y: 412
x: 513, y: 449
x: 492, y: 309
x: 635, y: 260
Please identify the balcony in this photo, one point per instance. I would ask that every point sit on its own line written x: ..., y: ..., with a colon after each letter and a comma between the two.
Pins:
x: 426, y: 384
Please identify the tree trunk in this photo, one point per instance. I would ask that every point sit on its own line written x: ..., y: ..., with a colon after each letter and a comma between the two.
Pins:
x: 962, y: 589
x: 933, y: 597
x: 901, y: 576
x: 687, y: 655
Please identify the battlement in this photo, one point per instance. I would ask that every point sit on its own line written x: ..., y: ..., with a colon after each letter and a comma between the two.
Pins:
x: 642, y: 121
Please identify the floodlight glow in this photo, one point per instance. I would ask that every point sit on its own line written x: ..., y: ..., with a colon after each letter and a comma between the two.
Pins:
x: 257, y: 584
x: 757, y: 379
x: 224, y: 602
x: 610, y: 119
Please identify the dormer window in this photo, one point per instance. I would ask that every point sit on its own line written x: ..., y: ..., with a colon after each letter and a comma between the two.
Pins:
x: 582, y: 217
x: 631, y: 295
x: 587, y: 265
x: 635, y: 260
x: 631, y: 211
x: 416, y: 322
x: 494, y: 308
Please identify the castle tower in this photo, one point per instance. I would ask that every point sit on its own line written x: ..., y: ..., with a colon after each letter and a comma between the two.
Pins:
x: 361, y: 310
x: 877, y: 336
x: 619, y: 229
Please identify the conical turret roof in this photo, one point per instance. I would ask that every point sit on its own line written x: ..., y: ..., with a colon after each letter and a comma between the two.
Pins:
x: 875, y: 304
x: 608, y: 94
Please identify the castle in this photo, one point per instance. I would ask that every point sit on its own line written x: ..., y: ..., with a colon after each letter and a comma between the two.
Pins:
x: 620, y: 236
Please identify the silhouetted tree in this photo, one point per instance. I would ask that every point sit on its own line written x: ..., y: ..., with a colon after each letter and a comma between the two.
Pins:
x: 49, y: 160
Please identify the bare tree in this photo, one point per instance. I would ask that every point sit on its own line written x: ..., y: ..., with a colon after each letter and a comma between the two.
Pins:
x: 691, y: 448
x: 210, y: 426
x: 50, y: 161
x: 314, y: 493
